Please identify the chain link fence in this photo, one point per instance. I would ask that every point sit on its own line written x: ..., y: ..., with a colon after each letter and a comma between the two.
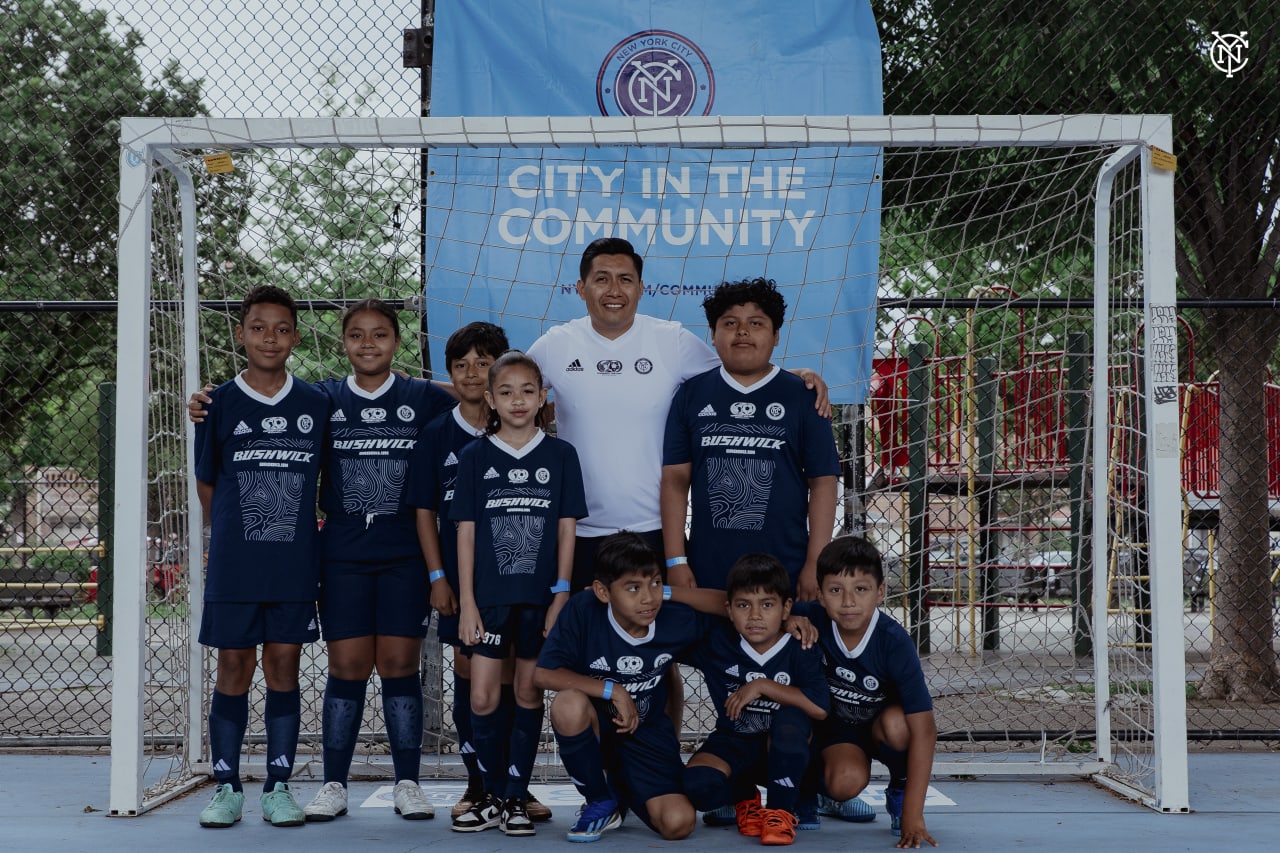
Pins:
x: 71, y: 69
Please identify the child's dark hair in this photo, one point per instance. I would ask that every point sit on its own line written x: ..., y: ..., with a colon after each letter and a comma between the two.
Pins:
x: 758, y: 573
x: 268, y: 294
x: 377, y: 306
x: 514, y: 358
x: 608, y: 246
x: 484, y: 338
x: 847, y: 554
x: 761, y: 291
x: 624, y: 553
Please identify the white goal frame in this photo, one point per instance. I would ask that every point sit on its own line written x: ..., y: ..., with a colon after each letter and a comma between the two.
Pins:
x: 148, y: 144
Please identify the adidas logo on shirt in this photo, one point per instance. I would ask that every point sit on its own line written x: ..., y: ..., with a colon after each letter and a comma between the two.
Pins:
x: 451, y: 459
x: 574, y: 366
x: 491, y: 474
x: 242, y: 428
x: 733, y: 670
x: 338, y: 416
x: 600, y: 663
x: 707, y: 412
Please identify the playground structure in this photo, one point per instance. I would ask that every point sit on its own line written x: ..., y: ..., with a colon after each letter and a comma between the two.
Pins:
x: 975, y: 475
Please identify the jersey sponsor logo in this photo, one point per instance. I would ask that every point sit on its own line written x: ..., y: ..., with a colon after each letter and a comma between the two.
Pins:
x: 847, y: 675
x: 775, y: 411
x: 743, y: 441
x: 662, y: 660
x: 338, y: 417
x: 600, y: 663
x: 373, y: 415
x: 575, y: 366
x: 752, y: 676
x: 451, y: 459
x: 518, y: 503
x: 542, y: 475
x: 305, y: 423
x: 491, y: 474
x: 375, y: 444
x: 242, y: 428
x: 405, y: 413
x: 274, y: 425
x: 608, y: 366
x: 644, y: 365
x: 518, y: 475
x: 743, y: 410
x: 871, y: 682
x: 271, y: 456
x: 707, y: 412
x: 629, y: 664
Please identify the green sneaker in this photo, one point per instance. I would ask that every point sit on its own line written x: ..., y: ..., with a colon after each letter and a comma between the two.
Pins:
x: 225, y: 809
x: 279, y: 807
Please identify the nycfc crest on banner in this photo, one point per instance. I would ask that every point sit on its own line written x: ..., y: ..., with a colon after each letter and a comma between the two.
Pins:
x: 655, y: 73
x: 505, y: 230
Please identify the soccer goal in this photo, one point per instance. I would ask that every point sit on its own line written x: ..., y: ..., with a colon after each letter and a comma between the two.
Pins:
x: 990, y: 297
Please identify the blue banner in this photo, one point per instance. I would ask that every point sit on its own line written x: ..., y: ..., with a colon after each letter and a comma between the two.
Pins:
x: 506, y: 229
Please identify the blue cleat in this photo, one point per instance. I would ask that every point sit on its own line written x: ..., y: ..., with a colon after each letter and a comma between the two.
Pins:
x: 595, y: 819
x: 723, y: 816
x: 807, y: 813
x: 893, y: 805
x: 853, y: 810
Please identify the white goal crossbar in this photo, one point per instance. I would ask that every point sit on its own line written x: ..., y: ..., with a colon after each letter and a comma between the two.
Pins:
x: 152, y: 144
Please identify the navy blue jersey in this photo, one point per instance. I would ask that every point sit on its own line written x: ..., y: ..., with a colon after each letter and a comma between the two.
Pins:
x: 435, y: 477
x: 883, y: 670
x: 516, y: 499
x: 587, y: 640
x: 727, y: 662
x: 262, y: 455
x: 372, y: 435
x: 752, y: 453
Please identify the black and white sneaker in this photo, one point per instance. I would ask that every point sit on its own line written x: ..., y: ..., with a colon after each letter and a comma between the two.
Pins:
x: 515, y: 818
x: 484, y: 814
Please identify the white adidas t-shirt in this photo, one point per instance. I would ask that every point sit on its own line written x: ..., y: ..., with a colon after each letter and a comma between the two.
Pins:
x: 612, y: 399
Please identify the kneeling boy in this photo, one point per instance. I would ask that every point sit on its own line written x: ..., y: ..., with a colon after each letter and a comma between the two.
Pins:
x: 766, y: 689
x: 607, y: 657
x: 880, y: 704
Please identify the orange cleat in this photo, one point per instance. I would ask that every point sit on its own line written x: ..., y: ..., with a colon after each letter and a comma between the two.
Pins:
x: 750, y: 818
x: 777, y: 827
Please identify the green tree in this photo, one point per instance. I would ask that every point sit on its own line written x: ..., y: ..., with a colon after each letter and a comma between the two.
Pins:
x: 1081, y: 56
x: 65, y: 80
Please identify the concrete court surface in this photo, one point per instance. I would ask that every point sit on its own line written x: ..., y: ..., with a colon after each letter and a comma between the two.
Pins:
x: 55, y: 803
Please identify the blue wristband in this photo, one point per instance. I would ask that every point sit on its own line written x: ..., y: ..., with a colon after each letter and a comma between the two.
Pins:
x: 608, y: 690
x: 438, y: 574
x: 666, y: 593
x: 560, y: 586
x: 677, y: 561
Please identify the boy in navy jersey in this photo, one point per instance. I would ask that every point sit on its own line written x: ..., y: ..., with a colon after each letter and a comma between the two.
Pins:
x: 761, y: 461
x: 258, y: 457
x: 766, y: 689
x: 607, y: 657
x: 880, y: 704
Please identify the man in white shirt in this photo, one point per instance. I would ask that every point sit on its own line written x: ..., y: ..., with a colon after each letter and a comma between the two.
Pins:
x: 614, y: 373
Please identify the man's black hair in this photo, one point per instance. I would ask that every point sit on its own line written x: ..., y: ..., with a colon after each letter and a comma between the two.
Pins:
x: 762, y: 291
x: 847, y: 554
x: 625, y: 553
x: 609, y: 246
x: 758, y: 573
x: 484, y: 338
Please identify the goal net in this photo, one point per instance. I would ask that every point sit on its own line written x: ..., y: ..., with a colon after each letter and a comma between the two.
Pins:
x: 1007, y: 410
